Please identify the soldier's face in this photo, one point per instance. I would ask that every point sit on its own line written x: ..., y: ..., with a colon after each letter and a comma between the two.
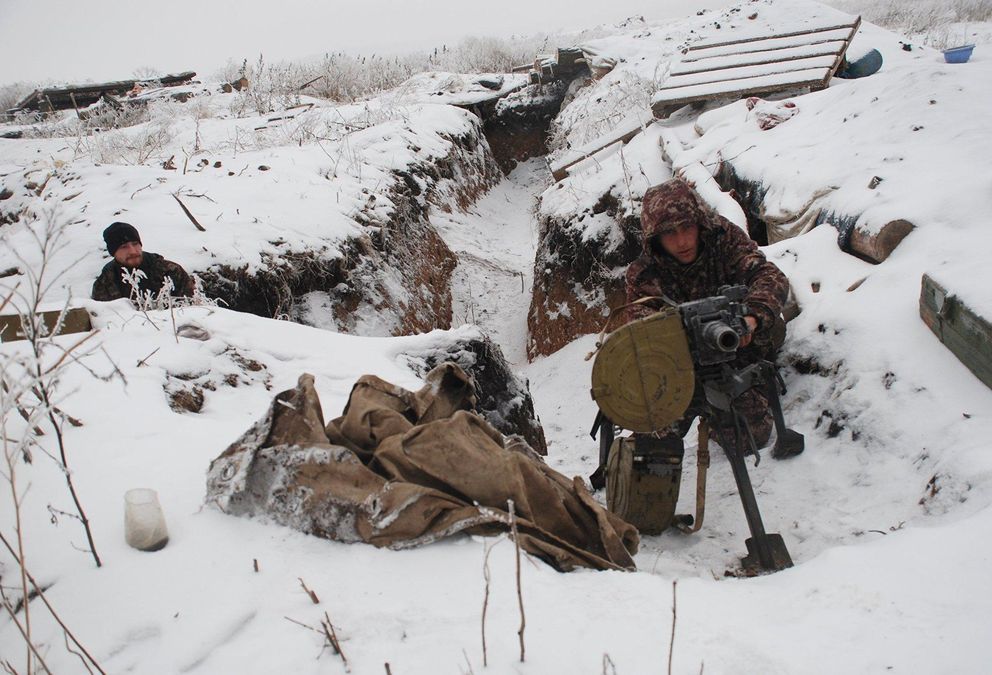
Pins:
x: 128, y: 254
x: 682, y: 244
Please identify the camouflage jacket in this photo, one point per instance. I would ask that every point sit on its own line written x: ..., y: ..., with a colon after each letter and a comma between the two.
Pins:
x: 110, y: 285
x: 726, y: 256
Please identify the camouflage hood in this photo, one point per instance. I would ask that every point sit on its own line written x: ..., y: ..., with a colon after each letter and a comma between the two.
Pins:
x: 669, y: 207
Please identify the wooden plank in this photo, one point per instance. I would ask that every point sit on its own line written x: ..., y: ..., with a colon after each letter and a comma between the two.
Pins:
x: 843, y: 51
x: 748, y: 72
x: 795, y: 33
x: 666, y: 101
x: 757, y: 58
x: 663, y: 107
x: 77, y: 320
x: 622, y: 134
x: 769, y: 43
x: 964, y: 332
x: 710, y: 192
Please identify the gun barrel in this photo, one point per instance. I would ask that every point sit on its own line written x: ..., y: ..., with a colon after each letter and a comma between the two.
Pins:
x: 720, y: 336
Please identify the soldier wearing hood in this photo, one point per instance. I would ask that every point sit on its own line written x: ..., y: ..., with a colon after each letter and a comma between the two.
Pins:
x: 148, y: 270
x: 689, y: 252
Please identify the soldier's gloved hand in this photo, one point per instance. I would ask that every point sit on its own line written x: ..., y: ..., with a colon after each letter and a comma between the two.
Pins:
x: 752, y: 326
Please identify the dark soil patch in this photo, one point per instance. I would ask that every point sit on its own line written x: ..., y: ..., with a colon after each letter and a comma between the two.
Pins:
x: 575, y: 281
x: 517, y: 126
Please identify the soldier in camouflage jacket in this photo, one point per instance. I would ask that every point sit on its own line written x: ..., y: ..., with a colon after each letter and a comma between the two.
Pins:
x: 689, y: 253
x: 124, y: 244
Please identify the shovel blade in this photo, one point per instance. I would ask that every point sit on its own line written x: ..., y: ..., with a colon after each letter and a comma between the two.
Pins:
x: 766, y: 554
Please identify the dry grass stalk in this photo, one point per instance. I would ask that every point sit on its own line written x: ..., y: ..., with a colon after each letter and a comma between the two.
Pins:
x: 189, y: 215
x: 39, y: 592
x: 332, y: 638
x: 485, y: 602
x: 520, y: 595
x: 671, y: 642
x: 313, y: 596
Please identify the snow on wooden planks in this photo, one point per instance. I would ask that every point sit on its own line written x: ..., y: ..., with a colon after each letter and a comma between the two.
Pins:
x: 762, y: 64
x: 625, y: 131
x: 962, y: 330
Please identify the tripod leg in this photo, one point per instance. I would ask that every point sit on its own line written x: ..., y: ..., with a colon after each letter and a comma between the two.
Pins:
x: 766, y: 552
x: 789, y: 443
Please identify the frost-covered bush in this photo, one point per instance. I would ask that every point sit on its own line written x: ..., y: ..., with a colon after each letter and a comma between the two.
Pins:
x: 593, y: 111
x: 137, y: 144
x: 931, y: 20
x: 272, y: 87
x: 346, y: 77
x: 12, y: 94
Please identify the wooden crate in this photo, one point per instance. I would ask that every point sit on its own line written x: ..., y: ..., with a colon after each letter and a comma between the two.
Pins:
x: 967, y: 334
x: 77, y: 320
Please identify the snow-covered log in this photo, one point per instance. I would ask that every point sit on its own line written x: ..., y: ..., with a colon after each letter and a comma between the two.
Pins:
x: 871, y: 242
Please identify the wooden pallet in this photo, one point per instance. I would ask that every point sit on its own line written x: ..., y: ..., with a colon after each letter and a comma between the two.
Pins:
x: 967, y: 334
x: 764, y: 64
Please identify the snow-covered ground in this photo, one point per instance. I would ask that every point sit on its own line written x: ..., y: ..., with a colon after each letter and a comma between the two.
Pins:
x: 888, y: 513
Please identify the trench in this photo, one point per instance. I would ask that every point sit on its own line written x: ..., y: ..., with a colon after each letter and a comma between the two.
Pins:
x: 495, y: 241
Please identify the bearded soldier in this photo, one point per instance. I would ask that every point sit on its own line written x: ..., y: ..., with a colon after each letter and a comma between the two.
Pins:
x: 131, y: 265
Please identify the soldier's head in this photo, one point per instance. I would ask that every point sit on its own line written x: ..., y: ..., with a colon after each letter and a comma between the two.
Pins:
x: 670, y: 219
x: 124, y: 244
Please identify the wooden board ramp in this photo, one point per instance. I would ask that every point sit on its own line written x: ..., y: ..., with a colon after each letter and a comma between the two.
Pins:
x: 962, y: 330
x: 623, y: 133
x: 762, y: 64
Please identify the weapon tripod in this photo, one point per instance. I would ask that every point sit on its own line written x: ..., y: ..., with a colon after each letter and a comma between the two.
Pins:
x: 722, y: 386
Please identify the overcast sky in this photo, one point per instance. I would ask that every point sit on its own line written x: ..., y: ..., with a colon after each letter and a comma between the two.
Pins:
x: 98, y: 40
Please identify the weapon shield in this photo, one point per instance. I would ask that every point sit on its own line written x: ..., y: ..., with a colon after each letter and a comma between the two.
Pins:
x: 643, y: 377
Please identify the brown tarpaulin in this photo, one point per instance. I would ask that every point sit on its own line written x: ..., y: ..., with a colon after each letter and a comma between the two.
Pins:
x: 400, y: 469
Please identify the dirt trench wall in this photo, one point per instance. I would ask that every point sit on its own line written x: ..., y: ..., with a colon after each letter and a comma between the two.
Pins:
x: 516, y: 126
x: 399, y: 270
x: 577, y: 281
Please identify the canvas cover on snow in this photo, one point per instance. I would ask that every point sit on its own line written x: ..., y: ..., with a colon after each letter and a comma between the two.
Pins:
x: 401, y: 469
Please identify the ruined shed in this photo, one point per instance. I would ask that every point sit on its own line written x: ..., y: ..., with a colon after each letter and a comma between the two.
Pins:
x: 79, y: 96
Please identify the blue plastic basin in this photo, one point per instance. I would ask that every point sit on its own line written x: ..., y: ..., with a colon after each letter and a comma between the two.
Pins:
x: 958, y: 54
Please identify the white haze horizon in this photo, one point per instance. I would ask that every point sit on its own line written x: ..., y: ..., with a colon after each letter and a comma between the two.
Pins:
x: 57, y: 41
